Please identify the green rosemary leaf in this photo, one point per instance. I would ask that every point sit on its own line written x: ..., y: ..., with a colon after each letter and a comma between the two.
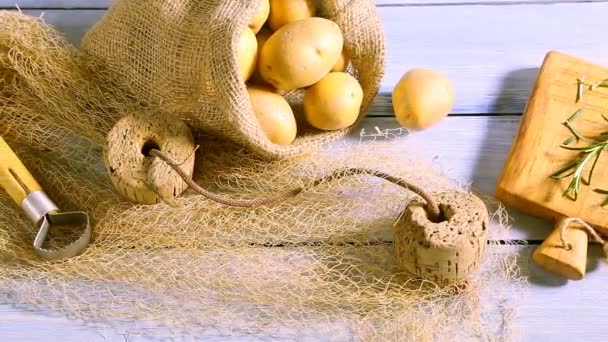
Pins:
x: 601, y: 84
x: 572, y: 190
x: 580, y: 90
x: 563, y: 176
x: 605, y: 203
x: 601, y: 191
x: 557, y: 174
x: 574, y: 116
x: 570, y: 140
x: 604, y: 117
x: 597, y: 157
x: 585, y: 149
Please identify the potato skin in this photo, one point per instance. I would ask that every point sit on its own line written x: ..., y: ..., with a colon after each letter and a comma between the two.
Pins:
x: 274, y: 115
x: 262, y: 37
x: 260, y: 16
x: 247, y: 53
x: 422, y: 98
x: 342, y: 62
x: 301, y: 53
x: 334, y: 102
x: 283, y: 12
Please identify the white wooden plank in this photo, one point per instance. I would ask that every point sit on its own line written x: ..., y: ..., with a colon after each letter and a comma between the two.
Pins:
x: 491, y: 53
x: 550, y: 309
x: 72, y: 23
x: 555, y: 309
x: 74, y: 4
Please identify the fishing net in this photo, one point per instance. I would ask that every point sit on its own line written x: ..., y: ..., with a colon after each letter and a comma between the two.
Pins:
x: 180, y: 54
x: 320, y: 264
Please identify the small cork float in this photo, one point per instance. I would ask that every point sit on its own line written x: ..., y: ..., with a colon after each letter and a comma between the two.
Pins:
x: 134, y: 173
x: 445, y: 250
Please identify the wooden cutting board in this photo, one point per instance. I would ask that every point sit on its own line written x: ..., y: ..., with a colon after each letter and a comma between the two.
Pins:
x: 535, y: 155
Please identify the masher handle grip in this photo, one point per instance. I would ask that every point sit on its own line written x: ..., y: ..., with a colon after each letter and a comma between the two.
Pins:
x: 15, y: 179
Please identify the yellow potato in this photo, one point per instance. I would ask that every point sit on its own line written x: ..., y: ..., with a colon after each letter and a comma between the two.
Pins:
x: 261, y: 38
x: 334, y: 102
x: 299, y: 54
x: 260, y: 16
x: 247, y: 52
x: 342, y: 62
x: 283, y: 12
x: 422, y: 98
x: 274, y: 115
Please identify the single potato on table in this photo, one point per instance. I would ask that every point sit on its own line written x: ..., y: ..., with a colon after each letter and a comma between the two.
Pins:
x: 300, y: 53
x: 260, y: 16
x: 274, y: 115
x: 334, y: 102
x: 422, y: 98
x: 283, y: 12
x: 247, y: 53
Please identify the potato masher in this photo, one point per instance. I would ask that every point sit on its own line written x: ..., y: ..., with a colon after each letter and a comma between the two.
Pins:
x: 21, y: 186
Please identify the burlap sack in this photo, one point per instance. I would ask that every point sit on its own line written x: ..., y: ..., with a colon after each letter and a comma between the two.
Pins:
x: 180, y: 55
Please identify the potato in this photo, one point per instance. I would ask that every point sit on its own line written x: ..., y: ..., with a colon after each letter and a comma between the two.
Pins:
x: 261, y: 38
x: 334, y: 102
x: 342, y: 62
x: 247, y: 52
x: 422, y: 98
x: 299, y: 54
x: 260, y: 16
x: 283, y: 12
x: 274, y: 115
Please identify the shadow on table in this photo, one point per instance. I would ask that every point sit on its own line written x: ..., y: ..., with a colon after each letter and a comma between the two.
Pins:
x: 500, y: 133
x: 538, y: 276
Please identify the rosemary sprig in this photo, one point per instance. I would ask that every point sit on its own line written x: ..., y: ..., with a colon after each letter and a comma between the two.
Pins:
x: 589, y: 153
x: 577, y: 168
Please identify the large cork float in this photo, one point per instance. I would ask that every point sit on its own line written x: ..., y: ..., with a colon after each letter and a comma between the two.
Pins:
x: 443, y: 252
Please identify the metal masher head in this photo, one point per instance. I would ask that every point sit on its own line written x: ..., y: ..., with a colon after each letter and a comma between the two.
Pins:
x: 17, y: 181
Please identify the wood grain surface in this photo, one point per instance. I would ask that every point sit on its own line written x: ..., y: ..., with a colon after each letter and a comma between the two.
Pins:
x: 536, y: 152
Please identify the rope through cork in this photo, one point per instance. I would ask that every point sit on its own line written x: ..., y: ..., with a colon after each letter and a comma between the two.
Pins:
x: 565, y: 224
x: 432, y: 209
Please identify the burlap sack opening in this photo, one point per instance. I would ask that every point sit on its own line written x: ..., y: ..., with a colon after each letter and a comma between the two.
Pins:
x: 179, y: 55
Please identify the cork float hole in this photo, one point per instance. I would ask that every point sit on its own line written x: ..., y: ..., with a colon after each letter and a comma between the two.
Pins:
x: 445, y: 213
x: 148, y: 146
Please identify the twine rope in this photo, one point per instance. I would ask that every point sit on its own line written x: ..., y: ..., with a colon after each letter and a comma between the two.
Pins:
x: 566, y: 223
x: 432, y: 209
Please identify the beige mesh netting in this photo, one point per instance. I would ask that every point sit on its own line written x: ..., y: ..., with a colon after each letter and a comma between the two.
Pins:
x: 180, y: 55
x: 320, y: 264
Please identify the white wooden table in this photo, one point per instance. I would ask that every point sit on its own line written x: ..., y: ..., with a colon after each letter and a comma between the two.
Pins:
x: 491, y: 50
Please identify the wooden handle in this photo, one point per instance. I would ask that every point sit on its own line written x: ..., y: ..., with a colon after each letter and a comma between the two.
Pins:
x: 15, y: 179
x: 553, y: 256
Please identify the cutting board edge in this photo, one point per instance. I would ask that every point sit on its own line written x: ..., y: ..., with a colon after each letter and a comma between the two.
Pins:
x: 523, y: 204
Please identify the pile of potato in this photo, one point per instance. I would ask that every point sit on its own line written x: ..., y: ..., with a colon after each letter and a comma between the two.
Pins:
x: 285, y: 47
